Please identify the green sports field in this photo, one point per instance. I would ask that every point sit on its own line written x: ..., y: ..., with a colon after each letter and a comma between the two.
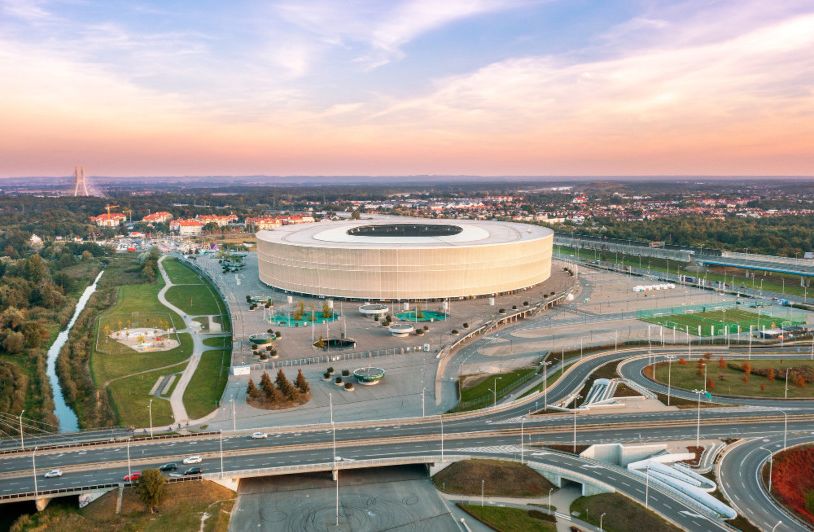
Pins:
x: 716, y: 322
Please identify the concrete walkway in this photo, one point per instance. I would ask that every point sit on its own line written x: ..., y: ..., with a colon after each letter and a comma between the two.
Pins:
x: 179, y: 411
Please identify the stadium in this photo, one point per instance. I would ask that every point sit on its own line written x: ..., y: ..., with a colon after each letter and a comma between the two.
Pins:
x: 405, y: 259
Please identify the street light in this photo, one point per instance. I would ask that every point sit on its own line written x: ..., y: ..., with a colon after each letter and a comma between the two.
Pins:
x: 545, y: 382
x: 670, y: 359
x: 777, y: 525
x: 771, y: 462
x: 129, y: 472
x: 150, y: 410
x: 22, y: 438
x: 601, y: 521
x: 494, y: 391
x: 522, y: 437
x: 221, y: 452
x: 647, y: 487
x: 549, y: 499
x: 698, y: 421
x: 577, y: 398
x: 34, y: 468
x: 786, y: 388
x: 482, y: 484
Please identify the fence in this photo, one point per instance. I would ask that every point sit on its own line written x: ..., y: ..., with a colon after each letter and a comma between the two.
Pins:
x: 685, y: 309
x: 340, y: 357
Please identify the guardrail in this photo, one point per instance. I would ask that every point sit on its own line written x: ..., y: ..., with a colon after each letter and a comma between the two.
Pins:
x: 112, y: 440
x: 67, y: 492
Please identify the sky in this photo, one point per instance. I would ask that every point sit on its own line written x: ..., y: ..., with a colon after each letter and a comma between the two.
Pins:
x: 407, y: 87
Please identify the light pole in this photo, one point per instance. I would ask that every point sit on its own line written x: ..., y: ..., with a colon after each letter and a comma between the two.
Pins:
x: 333, y: 446
x: 771, y: 462
x: 577, y: 398
x: 220, y: 439
x: 522, y: 438
x: 601, y: 522
x: 785, y: 427
x: 482, y: 484
x: 777, y: 525
x: 698, y: 420
x: 786, y: 387
x: 22, y: 438
x: 422, y: 402
x: 129, y: 472
x: 150, y: 411
x: 670, y: 359
x: 34, y: 468
x: 441, y: 417
x: 494, y: 391
x: 549, y: 499
x: 647, y: 487
x: 234, y: 421
x: 545, y: 382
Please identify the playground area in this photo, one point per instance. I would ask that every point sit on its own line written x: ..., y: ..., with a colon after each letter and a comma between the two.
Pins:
x: 146, y: 340
x: 712, y: 322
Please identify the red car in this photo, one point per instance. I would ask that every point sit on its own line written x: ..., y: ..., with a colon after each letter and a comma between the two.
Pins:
x: 132, y: 477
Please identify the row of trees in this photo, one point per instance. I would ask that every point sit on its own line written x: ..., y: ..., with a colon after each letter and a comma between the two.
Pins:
x: 279, y: 392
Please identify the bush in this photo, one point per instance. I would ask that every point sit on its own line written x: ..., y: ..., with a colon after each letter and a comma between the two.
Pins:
x: 514, y: 307
x: 375, y: 317
x: 525, y: 303
x: 326, y: 375
x: 454, y: 331
x: 349, y: 386
x: 278, y: 334
x: 331, y: 370
x: 338, y: 380
x: 502, y: 311
x: 426, y: 328
x: 466, y: 325
x: 419, y: 331
x: 345, y: 372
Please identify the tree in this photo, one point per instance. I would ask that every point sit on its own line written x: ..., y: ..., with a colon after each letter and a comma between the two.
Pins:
x: 721, y: 363
x: 252, y: 391
x: 14, y: 342
x: 710, y: 384
x: 327, y: 311
x: 771, y: 374
x: 285, y: 386
x: 265, y: 384
x: 302, y: 384
x: 150, y: 488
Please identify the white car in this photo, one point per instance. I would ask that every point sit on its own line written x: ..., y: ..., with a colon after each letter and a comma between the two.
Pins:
x: 193, y: 460
x: 53, y: 473
x: 259, y: 435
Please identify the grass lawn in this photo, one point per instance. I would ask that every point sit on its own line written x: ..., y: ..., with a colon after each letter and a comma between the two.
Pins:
x: 218, y: 341
x: 501, y: 478
x: 686, y: 377
x: 478, y: 394
x: 182, y: 509
x: 206, y: 386
x: 505, y: 519
x: 621, y: 514
x: 131, y: 397
x: 195, y: 299
x: 111, y: 366
x: 179, y: 273
x: 772, y: 282
x: 721, y: 320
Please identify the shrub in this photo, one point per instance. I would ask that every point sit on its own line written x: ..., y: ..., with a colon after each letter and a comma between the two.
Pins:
x: 338, y: 380
x: 525, y: 303
x: 375, y: 317
x: 349, y: 386
x: 466, y: 325
x: 419, y: 331
x: 331, y: 370
x: 326, y: 375
x: 345, y: 372
x: 514, y: 307
x: 426, y: 328
x: 278, y: 334
x: 454, y: 331
x: 502, y: 311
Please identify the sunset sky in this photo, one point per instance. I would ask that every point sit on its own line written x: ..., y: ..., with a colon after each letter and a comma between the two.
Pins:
x: 397, y: 87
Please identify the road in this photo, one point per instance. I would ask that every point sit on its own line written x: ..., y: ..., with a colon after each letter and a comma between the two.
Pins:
x: 488, y: 432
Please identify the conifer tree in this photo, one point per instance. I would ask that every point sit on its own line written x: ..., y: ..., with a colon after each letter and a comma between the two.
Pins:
x: 302, y: 384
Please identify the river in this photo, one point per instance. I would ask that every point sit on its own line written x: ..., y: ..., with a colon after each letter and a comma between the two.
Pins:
x: 68, y: 422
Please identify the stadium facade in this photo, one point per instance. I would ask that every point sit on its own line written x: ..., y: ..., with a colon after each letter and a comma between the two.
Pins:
x: 405, y: 259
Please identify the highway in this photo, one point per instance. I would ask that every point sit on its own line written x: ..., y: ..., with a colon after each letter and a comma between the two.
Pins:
x: 474, y: 433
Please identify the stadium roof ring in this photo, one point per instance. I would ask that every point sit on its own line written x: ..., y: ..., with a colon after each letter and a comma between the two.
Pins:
x: 403, y: 259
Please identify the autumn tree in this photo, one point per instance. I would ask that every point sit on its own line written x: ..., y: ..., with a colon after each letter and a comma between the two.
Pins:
x: 302, y: 384
x: 266, y: 384
x: 721, y: 363
x: 285, y: 386
x: 252, y: 391
x: 150, y: 488
x: 771, y: 375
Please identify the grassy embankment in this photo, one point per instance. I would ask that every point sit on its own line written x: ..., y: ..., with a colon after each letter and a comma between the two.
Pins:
x: 477, y: 390
x: 730, y: 381
x: 505, y: 519
x: 621, y: 514
x: 500, y: 479
x: 201, y: 506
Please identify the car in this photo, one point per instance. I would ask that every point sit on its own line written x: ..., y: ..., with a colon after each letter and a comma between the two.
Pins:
x: 193, y: 460
x: 169, y: 467
x: 193, y: 471
x: 259, y: 435
x: 132, y: 477
x: 53, y: 473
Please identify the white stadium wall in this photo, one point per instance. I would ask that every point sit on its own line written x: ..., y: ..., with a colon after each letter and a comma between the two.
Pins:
x: 485, y: 258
